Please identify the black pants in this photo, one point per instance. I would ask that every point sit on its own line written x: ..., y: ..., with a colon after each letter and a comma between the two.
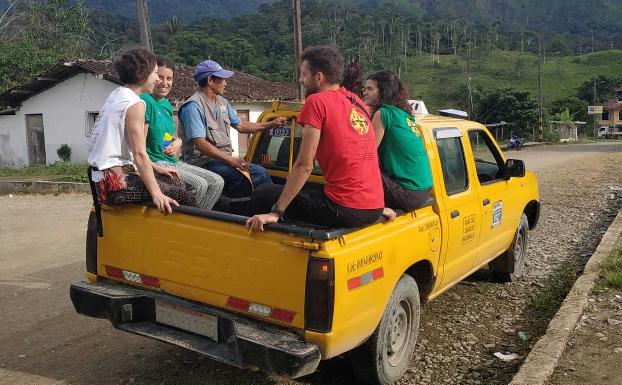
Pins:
x: 398, y: 197
x: 312, y: 206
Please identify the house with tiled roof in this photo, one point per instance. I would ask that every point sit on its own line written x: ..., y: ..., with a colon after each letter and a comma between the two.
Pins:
x: 60, y: 106
x: 612, y: 112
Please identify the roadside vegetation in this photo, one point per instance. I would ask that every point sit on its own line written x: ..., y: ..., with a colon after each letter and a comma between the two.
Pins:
x: 612, y: 268
x: 67, y: 172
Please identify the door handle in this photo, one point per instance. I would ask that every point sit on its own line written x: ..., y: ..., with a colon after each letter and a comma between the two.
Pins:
x: 455, y: 214
x: 486, y: 202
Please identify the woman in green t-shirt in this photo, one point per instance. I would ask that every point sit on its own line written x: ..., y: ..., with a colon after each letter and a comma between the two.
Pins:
x: 164, y: 148
x: 404, y: 163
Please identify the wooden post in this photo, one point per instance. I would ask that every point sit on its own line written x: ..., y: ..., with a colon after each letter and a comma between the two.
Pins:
x: 143, y: 19
x: 540, y: 101
x: 297, y: 46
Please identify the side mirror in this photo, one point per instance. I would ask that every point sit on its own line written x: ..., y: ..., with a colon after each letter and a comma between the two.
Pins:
x: 514, y: 168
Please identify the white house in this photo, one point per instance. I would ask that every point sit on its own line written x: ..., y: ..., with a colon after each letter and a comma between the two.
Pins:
x: 61, y: 105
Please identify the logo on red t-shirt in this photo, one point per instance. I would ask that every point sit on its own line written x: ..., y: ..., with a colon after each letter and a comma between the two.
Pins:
x: 358, y: 122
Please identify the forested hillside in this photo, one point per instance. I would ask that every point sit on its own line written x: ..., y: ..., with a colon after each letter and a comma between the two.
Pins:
x: 189, y: 10
x: 434, y: 45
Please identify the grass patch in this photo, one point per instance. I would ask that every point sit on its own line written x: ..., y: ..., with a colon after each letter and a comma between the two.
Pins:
x: 612, y: 267
x: 67, y: 171
x: 545, y: 301
x: 561, y: 76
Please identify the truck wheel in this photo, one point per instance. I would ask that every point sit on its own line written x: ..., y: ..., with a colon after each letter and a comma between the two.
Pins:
x: 509, y: 266
x: 385, y: 356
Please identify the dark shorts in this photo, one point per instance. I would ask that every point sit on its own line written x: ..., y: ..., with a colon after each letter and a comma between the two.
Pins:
x: 313, y: 206
x: 398, y: 197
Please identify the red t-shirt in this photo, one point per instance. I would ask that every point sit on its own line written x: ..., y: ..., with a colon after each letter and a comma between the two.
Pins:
x: 347, y: 149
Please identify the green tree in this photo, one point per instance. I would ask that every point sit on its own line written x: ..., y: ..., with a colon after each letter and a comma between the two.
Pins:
x: 516, y: 107
x: 53, y: 30
x: 605, y: 89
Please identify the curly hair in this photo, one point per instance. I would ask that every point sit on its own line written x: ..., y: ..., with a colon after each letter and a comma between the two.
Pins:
x: 326, y: 60
x: 135, y: 66
x: 391, y: 90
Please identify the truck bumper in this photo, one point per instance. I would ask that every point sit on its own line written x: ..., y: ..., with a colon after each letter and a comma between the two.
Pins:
x: 241, y: 341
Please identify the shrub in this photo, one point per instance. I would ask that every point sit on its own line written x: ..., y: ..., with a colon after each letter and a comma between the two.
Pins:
x: 64, y: 152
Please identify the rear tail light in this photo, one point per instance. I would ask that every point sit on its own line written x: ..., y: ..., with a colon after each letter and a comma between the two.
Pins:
x: 131, y: 276
x: 320, y: 295
x: 258, y: 309
x: 91, y: 244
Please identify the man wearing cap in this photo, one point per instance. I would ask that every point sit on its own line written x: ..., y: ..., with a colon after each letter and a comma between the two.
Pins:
x: 205, y: 120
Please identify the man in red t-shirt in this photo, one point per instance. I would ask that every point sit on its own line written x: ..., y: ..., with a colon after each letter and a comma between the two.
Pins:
x: 337, y: 131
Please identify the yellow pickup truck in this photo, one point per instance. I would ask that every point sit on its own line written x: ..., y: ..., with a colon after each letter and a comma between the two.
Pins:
x: 285, y: 299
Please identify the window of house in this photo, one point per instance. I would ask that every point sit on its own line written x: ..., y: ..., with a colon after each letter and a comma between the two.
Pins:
x: 91, y: 120
x: 453, y: 164
x: 605, y: 115
x: 620, y: 115
x: 488, y: 161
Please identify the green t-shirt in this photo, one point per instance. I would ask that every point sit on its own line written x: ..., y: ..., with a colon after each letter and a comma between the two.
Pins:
x: 159, y: 117
x: 402, y: 153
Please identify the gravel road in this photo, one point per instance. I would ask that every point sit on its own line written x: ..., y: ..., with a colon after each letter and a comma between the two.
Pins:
x: 42, y: 340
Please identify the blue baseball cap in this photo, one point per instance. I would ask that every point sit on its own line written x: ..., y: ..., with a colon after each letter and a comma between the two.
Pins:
x: 210, y: 68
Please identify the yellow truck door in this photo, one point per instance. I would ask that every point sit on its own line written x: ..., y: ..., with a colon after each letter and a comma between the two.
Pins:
x: 458, y: 204
x: 499, y: 216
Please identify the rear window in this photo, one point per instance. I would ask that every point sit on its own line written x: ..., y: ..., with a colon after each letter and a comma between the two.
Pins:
x: 451, y: 155
x: 273, y: 148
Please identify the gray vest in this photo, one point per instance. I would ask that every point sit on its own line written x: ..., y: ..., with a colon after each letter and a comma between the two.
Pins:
x: 217, y: 127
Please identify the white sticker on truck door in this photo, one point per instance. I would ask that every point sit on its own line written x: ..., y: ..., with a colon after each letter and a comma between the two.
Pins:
x: 497, y: 213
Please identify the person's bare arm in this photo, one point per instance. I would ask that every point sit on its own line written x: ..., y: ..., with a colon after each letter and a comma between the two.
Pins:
x: 378, y: 127
x: 251, y: 128
x: 134, y: 123
x: 301, y: 170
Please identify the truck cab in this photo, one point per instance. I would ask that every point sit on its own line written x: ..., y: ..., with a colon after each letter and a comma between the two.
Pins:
x: 285, y: 299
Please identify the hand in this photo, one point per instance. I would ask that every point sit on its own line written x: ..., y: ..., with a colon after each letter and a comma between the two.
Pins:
x: 164, y: 203
x: 257, y: 221
x: 279, y: 122
x: 173, y: 148
x: 389, y: 214
x: 171, y: 173
x: 238, y: 163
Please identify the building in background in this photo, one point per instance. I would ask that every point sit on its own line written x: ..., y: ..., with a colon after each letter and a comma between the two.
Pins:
x: 61, y: 105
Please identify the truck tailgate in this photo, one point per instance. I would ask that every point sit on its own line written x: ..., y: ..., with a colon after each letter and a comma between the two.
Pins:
x: 207, y: 260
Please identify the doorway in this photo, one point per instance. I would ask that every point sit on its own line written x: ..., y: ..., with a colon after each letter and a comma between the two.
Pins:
x: 36, y: 139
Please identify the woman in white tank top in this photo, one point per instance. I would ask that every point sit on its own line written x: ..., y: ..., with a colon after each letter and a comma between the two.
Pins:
x: 117, y: 151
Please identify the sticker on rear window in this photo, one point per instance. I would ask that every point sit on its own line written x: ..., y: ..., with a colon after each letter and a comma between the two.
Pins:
x: 281, y: 131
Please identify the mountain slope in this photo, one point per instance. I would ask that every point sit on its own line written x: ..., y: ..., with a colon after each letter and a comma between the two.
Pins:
x: 188, y: 10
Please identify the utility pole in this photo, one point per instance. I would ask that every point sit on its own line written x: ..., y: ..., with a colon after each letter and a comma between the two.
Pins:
x: 540, y: 102
x: 595, y: 104
x: 297, y: 46
x: 143, y: 19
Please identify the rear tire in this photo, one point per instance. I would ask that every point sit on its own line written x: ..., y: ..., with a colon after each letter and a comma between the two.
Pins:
x: 509, y: 266
x: 385, y: 356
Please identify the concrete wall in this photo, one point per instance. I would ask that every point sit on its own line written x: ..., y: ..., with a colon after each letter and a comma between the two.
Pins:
x: 64, y: 108
x: 13, y: 147
x: 255, y: 109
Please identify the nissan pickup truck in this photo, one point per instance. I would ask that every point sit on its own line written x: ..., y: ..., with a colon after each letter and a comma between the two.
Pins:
x: 284, y: 299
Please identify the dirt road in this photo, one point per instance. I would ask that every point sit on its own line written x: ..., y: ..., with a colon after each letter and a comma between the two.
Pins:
x: 42, y: 340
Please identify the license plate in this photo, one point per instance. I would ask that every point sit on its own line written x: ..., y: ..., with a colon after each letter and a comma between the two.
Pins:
x: 186, y: 319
